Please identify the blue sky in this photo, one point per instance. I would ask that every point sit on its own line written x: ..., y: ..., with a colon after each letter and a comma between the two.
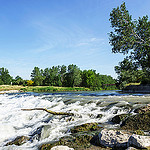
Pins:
x: 46, y: 33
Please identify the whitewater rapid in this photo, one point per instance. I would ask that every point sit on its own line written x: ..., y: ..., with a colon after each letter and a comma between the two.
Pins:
x: 43, y: 127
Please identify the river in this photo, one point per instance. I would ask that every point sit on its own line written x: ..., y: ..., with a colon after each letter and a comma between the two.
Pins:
x: 43, y: 127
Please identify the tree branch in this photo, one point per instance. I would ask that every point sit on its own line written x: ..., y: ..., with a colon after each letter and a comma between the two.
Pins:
x: 49, y: 111
x: 136, y: 35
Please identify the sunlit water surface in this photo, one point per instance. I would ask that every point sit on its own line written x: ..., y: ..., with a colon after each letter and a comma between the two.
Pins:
x: 43, y: 127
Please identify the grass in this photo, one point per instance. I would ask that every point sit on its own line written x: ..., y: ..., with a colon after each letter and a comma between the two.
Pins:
x: 41, y: 88
x: 132, y: 84
x: 9, y: 87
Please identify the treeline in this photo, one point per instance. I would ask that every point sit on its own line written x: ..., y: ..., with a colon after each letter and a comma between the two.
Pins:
x: 71, y: 76
x: 61, y: 76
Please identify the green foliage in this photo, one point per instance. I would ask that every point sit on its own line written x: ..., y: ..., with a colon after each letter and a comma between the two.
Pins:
x: 131, y: 38
x: 18, y: 81
x: 36, y: 76
x: 71, y: 76
x: 5, y: 78
x: 128, y: 73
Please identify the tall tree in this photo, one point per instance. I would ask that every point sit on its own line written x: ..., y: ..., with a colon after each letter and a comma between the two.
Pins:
x: 5, y: 77
x: 88, y: 78
x: 73, y: 77
x: 37, y: 76
x: 63, y: 72
x: 18, y: 81
x: 52, y: 76
x: 131, y: 37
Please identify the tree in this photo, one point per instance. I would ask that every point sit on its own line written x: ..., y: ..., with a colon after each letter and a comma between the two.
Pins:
x: 5, y: 77
x: 131, y: 37
x: 52, y: 76
x: 63, y: 71
x: 37, y: 76
x: 73, y: 77
x: 18, y: 81
x: 88, y: 78
x: 128, y: 73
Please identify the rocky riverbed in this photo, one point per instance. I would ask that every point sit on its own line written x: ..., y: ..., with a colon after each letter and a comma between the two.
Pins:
x: 133, y: 131
x: 101, y: 121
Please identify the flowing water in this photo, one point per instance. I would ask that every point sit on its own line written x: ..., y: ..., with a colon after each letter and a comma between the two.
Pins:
x: 43, y: 127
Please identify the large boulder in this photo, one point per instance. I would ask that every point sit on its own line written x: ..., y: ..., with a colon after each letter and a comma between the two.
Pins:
x: 139, y: 141
x: 113, y: 138
x: 121, y: 140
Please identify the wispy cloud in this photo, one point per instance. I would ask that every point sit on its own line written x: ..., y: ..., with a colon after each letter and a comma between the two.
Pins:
x: 69, y: 35
x: 91, y: 42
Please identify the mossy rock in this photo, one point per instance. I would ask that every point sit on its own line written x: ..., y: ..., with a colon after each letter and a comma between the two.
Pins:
x: 139, y: 132
x: 118, y: 118
x: 142, y: 109
x: 86, y: 127
x: 18, y: 141
x: 79, y: 142
x: 137, y: 122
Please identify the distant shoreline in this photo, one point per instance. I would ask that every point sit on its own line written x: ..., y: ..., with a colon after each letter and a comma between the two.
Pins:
x: 43, y: 88
x: 137, y: 89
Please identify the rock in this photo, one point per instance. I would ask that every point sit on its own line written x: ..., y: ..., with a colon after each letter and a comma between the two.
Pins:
x: 77, y: 142
x: 61, y: 148
x: 86, y: 127
x: 137, y: 122
x: 113, y: 138
x: 131, y: 148
x: 139, y: 141
x: 118, y: 139
x: 99, y: 116
x: 18, y: 141
x: 143, y: 109
x: 118, y: 118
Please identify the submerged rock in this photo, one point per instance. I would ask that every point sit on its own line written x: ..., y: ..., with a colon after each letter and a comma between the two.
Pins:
x: 119, y: 118
x: 18, y: 141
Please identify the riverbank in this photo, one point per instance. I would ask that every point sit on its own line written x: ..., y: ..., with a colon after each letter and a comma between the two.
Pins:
x: 16, y: 88
x: 137, y: 89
